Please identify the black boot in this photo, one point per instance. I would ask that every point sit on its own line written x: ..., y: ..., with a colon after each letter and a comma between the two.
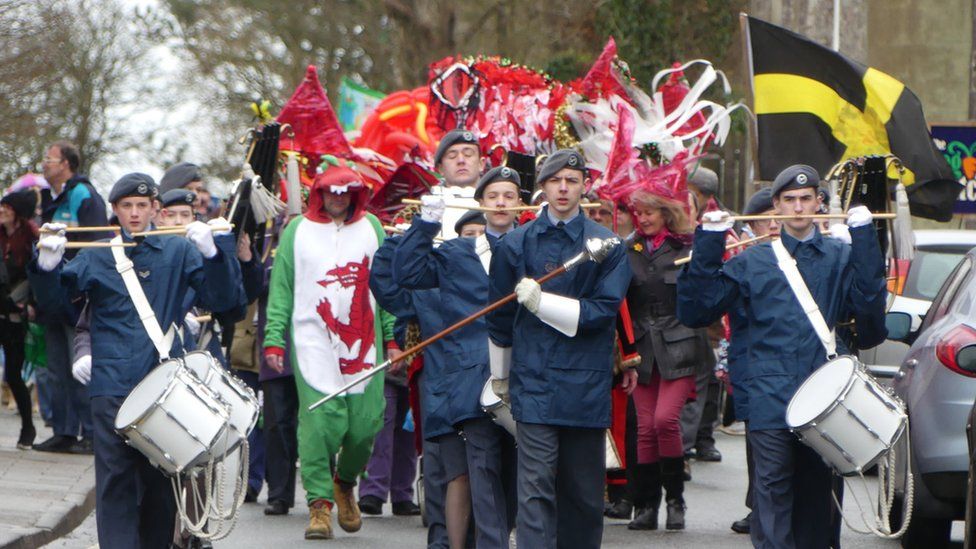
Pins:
x: 647, y: 497
x: 672, y: 477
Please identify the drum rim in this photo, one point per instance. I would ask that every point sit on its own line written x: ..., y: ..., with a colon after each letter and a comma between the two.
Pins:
x: 837, y: 399
x: 166, y: 390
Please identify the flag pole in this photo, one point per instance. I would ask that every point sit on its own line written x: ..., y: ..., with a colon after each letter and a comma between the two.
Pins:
x: 835, y: 42
x: 753, y: 121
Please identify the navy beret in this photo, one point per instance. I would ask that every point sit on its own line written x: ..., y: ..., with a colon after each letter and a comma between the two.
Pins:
x: 179, y: 176
x: 705, y: 180
x: 454, y: 137
x: 178, y: 197
x: 133, y: 184
x: 797, y: 176
x: 563, y: 158
x: 500, y: 173
x: 469, y: 217
x: 761, y: 201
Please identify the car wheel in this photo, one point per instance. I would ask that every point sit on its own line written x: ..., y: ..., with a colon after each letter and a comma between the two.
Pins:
x: 970, y: 530
x: 927, y: 533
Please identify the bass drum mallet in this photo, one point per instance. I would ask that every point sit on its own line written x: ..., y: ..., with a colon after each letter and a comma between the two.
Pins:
x: 596, y: 249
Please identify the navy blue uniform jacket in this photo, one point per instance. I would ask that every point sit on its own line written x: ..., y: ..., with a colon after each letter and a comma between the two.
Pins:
x: 782, y: 349
x: 555, y: 379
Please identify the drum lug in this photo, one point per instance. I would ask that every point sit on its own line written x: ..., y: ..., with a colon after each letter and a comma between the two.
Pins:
x: 911, y: 363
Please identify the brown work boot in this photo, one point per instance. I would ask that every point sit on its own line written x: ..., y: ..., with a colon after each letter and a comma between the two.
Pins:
x: 319, y: 521
x: 349, y: 518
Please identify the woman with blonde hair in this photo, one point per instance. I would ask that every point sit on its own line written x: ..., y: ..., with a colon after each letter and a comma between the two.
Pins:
x: 671, y: 355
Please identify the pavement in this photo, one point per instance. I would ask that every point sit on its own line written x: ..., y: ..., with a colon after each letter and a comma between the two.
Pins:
x: 715, y: 500
x: 43, y: 496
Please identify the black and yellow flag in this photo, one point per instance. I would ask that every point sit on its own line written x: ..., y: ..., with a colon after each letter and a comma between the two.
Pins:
x: 817, y: 107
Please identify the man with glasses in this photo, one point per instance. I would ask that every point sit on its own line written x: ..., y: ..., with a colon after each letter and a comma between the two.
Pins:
x: 73, y: 201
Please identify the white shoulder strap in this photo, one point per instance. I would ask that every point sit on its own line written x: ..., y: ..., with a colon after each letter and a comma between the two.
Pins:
x: 788, y: 265
x: 483, y: 249
x: 124, y: 266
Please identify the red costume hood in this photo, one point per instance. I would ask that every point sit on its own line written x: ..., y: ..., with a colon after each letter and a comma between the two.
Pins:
x: 337, y: 179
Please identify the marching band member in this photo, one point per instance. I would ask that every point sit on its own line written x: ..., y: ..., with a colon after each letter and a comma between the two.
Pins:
x: 671, y: 356
x: 320, y: 290
x: 459, y: 268
x: 761, y: 202
x: 792, y: 500
x: 557, y: 343
x: 134, y: 502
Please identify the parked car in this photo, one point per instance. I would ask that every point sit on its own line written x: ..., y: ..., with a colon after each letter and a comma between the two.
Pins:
x: 937, y: 383
x: 913, y: 286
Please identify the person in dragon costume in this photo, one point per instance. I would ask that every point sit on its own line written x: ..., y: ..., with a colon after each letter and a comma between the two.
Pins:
x: 320, y: 290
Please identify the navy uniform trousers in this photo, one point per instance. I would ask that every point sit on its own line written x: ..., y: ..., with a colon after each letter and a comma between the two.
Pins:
x: 491, y: 460
x: 134, y: 511
x: 792, y: 510
x: 560, y: 468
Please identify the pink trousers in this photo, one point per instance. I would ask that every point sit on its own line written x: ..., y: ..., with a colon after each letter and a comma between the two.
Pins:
x: 658, y: 406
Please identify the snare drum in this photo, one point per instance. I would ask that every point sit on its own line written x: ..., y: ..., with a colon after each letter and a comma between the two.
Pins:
x: 846, y: 416
x: 241, y: 403
x: 172, y: 418
x: 499, y: 411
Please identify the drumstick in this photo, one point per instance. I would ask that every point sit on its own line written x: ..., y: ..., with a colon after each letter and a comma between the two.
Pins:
x: 179, y: 230
x: 203, y: 318
x: 397, y: 230
x: 113, y: 228
x: 78, y: 245
x: 414, y: 202
x: 804, y: 216
x: 732, y: 246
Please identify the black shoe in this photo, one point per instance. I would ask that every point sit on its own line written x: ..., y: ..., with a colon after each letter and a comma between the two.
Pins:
x: 58, y: 443
x: 27, y: 436
x: 251, y: 496
x: 742, y: 526
x: 645, y: 519
x: 371, y: 505
x: 406, y: 509
x: 276, y: 507
x: 708, y: 454
x: 676, y: 515
x: 623, y: 509
x: 82, y: 447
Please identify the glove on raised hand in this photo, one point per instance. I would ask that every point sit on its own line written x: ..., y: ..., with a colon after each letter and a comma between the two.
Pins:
x: 201, y: 235
x: 717, y: 221
x: 858, y: 216
x: 432, y: 208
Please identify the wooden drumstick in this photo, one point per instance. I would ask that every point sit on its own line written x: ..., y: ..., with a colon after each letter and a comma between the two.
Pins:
x: 780, y: 217
x: 178, y: 230
x: 397, y: 230
x: 113, y: 228
x: 414, y: 202
x: 732, y: 246
x: 79, y: 245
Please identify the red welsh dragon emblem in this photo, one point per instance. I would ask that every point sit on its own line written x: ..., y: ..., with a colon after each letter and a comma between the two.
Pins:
x: 357, y: 335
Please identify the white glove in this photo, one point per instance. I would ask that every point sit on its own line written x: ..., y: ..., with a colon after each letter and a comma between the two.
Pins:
x: 717, y: 221
x: 201, y: 236
x: 500, y: 388
x: 221, y: 226
x: 51, y: 250
x: 859, y: 216
x: 529, y: 293
x: 191, y: 323
x: 841, y: 232
x: 54, y: 228
x: 431, y: 208
x: 81, y: 369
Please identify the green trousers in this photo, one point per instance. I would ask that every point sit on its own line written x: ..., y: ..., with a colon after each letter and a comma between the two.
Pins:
x: 345, y: 426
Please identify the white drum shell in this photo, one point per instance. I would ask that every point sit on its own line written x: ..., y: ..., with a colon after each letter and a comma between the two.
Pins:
x: 241, y: 403
x: 500, y: 412
x: 857, y: 429
x: 172, y: 418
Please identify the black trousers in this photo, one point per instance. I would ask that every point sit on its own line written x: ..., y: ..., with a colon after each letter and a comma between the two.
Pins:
x: 12, y: 338
x: 280, y: 438
x: 134, y: 505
